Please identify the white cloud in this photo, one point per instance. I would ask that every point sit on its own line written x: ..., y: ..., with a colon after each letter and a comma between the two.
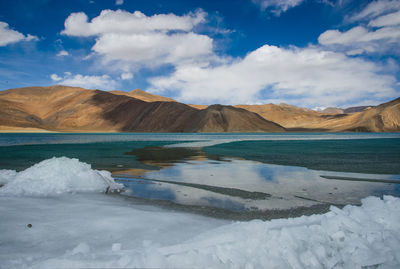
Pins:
x: 119, y: 2
x: 126, y: 76
x: 9, y: 36
x: 143, y: 40
x: 306, y: 77
x: 277, y: 6
x: 103, y: 82
x: 359, y: 34
x: 153, y: 49
x: 55, y: 77
x: 123, y: 22
x: 375, y: 9
x: 386, y: 20
x: 63, y: 53
x: 378, y: 31
x: 313, y: 76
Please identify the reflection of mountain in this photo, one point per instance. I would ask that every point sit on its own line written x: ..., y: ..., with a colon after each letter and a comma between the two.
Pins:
x: 62, y: 108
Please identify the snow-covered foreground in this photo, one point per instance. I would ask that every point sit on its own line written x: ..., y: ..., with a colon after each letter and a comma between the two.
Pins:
x: 85, y: 230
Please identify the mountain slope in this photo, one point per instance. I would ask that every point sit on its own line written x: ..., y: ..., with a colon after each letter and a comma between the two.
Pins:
x: 285, y: 115
x: 382, y: 118
x: 61, y: 108
x: 144, y: 96
x: 230, y: 119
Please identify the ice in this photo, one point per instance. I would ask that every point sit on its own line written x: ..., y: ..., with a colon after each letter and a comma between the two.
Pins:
x: 86, y: 230
x: 72, y: 227
x: 81, y: 248
x: 202, y: 144
x: 116, y: 247
x: 100, y: 231
x: 6, y: 176
x: 56, y: 176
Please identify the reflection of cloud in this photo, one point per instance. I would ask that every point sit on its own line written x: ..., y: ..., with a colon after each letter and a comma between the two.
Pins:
x: 234, y: 174
x: 281, y: 181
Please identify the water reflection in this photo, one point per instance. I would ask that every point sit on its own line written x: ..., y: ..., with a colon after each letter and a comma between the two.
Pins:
x: 250, y: 186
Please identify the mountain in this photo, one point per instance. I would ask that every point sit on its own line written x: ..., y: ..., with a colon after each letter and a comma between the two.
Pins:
x: 286, y: 115
x: 231, y: 119
x: 333, y: 110
x: 62, y: 108
x: 356, y: 109
x: 382, y: 118
x: 144, y: 96
x: 336, y: 110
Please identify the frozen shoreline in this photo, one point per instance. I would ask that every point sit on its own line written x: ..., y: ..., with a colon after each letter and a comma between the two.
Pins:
x: 96, y: 230
x: 75, y: 225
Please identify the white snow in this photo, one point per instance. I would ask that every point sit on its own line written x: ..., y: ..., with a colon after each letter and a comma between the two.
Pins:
x: 100, y: 231
x: 6, y: 176
x: 94, y: 230
x: 89, y: 230
x: 55, y: 176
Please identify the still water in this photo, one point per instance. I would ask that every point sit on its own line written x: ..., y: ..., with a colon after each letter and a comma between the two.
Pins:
x: 237, y: 176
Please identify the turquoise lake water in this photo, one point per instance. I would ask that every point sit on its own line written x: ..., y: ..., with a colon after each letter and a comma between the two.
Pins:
x: 238, y: 176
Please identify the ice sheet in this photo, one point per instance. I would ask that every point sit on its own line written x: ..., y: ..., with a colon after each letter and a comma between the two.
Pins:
x: 99, y: 231
x: 45, y: 225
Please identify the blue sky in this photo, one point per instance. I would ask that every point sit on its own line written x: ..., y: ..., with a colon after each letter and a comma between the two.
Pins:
x: 309, y: 53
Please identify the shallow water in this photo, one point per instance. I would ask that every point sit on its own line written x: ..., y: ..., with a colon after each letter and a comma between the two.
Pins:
x: 245, y: 189
x: 237, y: 176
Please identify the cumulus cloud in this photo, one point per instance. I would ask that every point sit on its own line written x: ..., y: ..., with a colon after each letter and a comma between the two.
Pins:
x: 103, y: 82
x: 63, y: 53
x: 9, y: 36
x: 305, y: 77
x: 153, y: 48
x: 55, y: 77
x: 378, y: 31
x: 277, y: 6
x: 123, y: 22
x: 312, y: 76
x: 144, y: 40
x: 126, y: 76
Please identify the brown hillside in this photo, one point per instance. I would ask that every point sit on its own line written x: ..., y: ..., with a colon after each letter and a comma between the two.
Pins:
x: 61, y: 108
x: 144, y: 96
x: 382, y: 118
x: 230, y: 119
x: 285, y: 115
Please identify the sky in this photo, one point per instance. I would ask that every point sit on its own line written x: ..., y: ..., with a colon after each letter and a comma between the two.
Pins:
x: 308, y: 53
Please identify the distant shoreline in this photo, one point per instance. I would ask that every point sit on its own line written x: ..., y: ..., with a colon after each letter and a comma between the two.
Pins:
x: 12, y: 129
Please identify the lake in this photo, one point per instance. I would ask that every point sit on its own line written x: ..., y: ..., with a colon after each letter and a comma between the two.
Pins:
x: 237, y: 176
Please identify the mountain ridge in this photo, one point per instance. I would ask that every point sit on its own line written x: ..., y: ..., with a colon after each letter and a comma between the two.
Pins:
x: 67, y: 109
x: 70, y: 109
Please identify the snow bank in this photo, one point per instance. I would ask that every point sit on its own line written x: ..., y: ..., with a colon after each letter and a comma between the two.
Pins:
x: 126, y: 236
x: 6, y: 176
x: 56, y: 176
x: 354, y: 237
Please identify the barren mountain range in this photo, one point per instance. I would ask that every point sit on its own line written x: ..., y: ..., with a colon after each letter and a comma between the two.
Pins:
x: 73, y: 109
